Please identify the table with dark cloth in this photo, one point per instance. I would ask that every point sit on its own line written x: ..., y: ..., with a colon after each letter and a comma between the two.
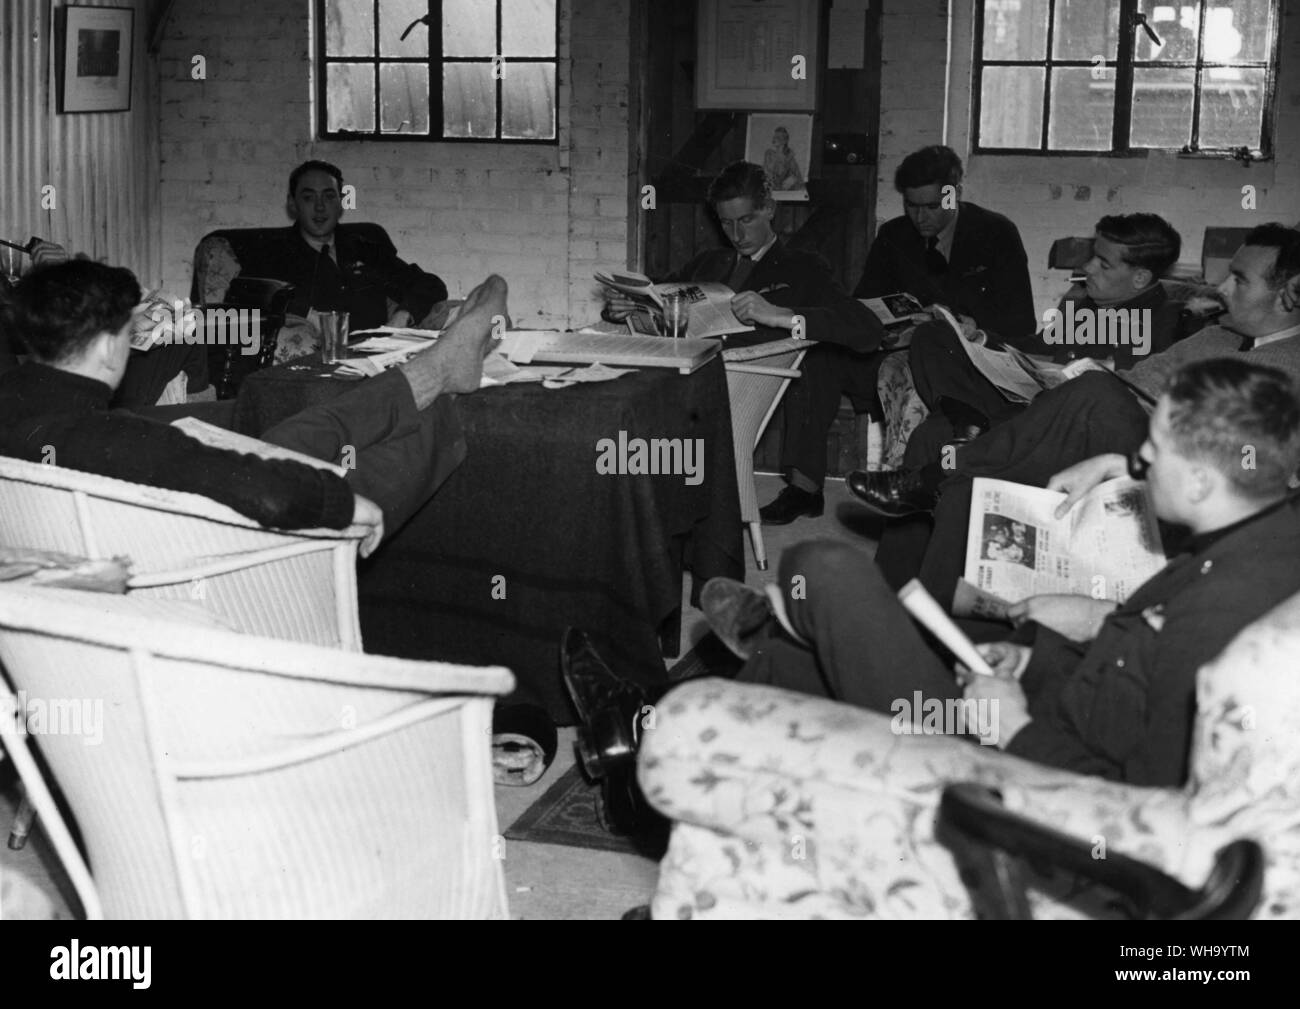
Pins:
x: 526, y: 537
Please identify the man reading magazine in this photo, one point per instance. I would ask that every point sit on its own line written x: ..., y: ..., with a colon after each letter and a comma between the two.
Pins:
x: 1114, y: 695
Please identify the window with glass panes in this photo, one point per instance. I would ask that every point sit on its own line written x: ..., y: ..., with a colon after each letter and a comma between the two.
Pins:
x: 480, y: 70
x: 1111, y: 76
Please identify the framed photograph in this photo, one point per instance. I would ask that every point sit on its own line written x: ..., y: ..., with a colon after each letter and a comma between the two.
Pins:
x: 782, y: 143
x: 757, y: 55
x: 96, y: 67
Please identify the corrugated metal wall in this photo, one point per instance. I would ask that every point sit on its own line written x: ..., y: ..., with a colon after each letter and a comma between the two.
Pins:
x: 103, y: 165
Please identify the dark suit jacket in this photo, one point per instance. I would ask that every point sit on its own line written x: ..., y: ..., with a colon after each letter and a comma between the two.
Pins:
x: 1122, y: 707
x: 987, y: 278
x: 800, y: 281
x: 368, y: 275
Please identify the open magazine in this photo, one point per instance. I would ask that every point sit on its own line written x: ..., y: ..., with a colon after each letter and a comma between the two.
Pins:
x: 711, y: 313
x: 1017, y: 375
x: 1105, y: 546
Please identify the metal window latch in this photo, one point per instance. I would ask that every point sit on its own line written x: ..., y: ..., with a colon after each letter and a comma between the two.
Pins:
x: 428, y: 20
x: 1139, y: 20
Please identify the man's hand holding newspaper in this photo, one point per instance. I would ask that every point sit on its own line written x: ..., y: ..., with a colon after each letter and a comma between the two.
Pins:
x: 1078, y: 618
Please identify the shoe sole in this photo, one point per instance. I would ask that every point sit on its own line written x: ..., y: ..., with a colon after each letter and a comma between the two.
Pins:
x: 814, y: 513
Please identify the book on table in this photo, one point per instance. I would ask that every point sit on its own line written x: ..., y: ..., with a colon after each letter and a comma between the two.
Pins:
x: 711, y: 313
x: 552, y: 347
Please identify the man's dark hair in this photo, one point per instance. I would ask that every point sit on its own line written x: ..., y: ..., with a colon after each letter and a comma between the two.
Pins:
x: 314, y: 166
x: 930, y: 166
x: 741, y: 178
x: 1287, y: 243
x: 58, y: 310
x: 1243, y: 419
x: 1150, y: 242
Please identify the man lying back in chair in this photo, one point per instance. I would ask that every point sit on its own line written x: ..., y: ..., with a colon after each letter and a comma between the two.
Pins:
x: 76, y: 318
x: 1111, y: 693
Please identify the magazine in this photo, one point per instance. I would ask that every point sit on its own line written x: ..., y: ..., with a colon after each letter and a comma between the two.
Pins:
x: 711, y: 313
x: 896, y: 309
x: 1104, y: 547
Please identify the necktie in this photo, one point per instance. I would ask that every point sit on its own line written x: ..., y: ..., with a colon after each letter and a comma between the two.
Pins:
x: 934, y: 259
x: 740, y: 272
x: 1247, y: 343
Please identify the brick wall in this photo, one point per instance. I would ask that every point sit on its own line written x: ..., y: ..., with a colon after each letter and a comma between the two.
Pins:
x: 1052, y: 197
x: 543, y: 217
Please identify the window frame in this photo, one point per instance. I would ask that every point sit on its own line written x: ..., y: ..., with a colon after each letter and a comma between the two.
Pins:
x: 434, y: 62
x: 1123, y: 66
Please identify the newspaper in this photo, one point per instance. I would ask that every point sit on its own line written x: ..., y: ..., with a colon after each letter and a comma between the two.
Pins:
x: 1017, y: 375
x: 711, y: 313
x: 1105, y: 546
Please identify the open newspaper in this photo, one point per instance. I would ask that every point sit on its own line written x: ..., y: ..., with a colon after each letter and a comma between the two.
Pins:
x: 1105, y: 546
x: 711, y: 313
x: 1017, y: 375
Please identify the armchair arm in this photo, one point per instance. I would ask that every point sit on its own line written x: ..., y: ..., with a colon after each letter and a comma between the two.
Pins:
x: 986, y: 840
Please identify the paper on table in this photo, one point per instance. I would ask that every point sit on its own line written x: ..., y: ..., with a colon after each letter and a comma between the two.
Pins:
x: 930, y: 614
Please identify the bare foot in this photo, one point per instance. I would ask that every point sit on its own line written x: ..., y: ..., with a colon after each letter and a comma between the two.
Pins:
x: 455, y: 362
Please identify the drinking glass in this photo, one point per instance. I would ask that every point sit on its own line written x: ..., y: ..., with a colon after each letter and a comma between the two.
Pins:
x: 12, y: 263
x: 677, y: 314
x: 333, y: 336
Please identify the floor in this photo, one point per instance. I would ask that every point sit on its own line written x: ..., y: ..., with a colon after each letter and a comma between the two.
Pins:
x: 543, y: 881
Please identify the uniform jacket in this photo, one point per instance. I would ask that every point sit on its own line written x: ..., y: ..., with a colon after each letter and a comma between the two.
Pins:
x: 987, y: 278
x: 1122, y: 706
x: 800, y: 281
x: 366, y: 277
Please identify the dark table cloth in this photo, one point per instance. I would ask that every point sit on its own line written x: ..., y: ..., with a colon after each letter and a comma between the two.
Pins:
x: 527, y: 537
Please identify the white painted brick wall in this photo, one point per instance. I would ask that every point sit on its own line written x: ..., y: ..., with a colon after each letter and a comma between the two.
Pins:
x: 1044, y: 195
x: 543, y: 217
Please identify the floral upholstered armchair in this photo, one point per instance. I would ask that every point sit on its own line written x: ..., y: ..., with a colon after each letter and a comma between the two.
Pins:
x: 789, y: 806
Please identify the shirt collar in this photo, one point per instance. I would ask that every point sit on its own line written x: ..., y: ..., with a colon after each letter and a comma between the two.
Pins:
x: 763, y: 251
x: 1281, y: 334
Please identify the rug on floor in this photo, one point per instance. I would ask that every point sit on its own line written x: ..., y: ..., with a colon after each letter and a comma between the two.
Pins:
x: 568, y: 813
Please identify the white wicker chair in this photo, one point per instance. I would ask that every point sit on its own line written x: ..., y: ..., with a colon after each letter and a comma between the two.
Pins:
x: 297, y: 586
x: 755, y: 391
x: 242, y: 777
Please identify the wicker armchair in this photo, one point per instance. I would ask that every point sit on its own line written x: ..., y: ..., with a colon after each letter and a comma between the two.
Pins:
x: 297, y: 586
x: 231, y: 776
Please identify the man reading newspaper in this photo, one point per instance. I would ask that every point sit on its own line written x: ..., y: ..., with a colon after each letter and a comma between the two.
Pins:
x: 1088, y: 685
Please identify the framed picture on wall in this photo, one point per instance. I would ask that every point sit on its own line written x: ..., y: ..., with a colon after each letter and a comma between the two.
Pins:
x: 757, y: 55
x: 95, y: 75
x: 782, y: 143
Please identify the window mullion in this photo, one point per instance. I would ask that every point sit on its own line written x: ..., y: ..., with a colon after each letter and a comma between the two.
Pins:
x: 499, y: 72
x: 1121, y: 131
x: 1045, y: 125
x: 1197, y: 74
x: 436, y: 70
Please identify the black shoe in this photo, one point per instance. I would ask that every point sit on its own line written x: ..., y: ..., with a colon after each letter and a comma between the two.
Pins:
x: 610, y: 709
x: 790, y: 504
x: 737, y: 614
x: 893, y: 493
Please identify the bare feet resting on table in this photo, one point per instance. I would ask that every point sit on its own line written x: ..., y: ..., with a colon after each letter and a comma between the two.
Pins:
x: 455, y: 362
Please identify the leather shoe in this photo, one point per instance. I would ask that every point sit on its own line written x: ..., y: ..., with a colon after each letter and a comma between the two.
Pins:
x: 737, y: 614
x: 790, y: 504
x: 610, y: 710
x: 893, y: 493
